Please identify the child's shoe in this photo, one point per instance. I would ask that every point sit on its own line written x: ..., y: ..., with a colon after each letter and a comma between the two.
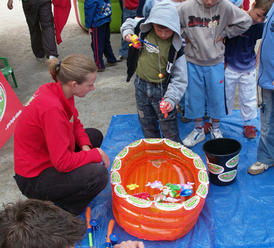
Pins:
x: 250, y: 132
x: 258, y: 168
x: 194, y: 137
x: 216, y: 133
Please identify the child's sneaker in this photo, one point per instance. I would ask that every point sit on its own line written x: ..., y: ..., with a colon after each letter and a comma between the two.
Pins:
x: 258, y: 168
x: 216, y: 133
x: 250, y: 132
x: 194, y: 138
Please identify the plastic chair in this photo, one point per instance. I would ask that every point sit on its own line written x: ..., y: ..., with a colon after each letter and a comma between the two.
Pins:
x: 7, y: 70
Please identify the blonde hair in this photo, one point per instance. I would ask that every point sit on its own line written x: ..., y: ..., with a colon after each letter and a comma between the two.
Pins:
x: 74, y: 67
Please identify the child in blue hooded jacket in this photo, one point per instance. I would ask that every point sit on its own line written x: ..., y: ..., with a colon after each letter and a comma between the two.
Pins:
x: 97, y: 20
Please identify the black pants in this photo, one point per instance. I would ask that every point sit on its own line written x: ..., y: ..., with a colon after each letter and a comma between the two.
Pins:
x: 71, y: 191
x: 41, y: 27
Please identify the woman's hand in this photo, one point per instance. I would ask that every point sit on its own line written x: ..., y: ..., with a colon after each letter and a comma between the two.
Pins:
x: 104, y: 156
x: 130, y: 244
x: 85, y: 148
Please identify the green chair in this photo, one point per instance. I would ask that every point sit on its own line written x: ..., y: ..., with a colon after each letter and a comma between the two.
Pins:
x: 7, y: 70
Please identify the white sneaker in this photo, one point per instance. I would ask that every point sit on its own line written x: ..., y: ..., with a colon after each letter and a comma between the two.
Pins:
x: 258, y: 168
x: 52, y: 57
x: 194, y: 138
x: 216, y: 133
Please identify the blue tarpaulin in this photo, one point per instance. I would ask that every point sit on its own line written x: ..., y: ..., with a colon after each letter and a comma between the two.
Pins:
x: 234, y: 216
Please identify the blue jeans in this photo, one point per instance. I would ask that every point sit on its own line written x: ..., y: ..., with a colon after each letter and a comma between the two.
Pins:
x: 265, y: 152
x: 148, y: 98
x: 127, y: 13
x: 205, y: 91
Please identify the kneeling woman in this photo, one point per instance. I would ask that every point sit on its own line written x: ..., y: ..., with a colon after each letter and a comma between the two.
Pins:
x: 55, y: 158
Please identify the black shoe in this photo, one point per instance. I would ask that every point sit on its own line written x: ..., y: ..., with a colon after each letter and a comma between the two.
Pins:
x: 111, y: 64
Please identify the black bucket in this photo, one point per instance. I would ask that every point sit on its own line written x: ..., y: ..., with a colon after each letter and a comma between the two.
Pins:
x: 222, y: 157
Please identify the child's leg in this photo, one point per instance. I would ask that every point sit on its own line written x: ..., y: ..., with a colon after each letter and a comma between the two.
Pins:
x: 266, y: 144
x: 169, y: 125
x: 146, y: 112
x: 248, y: 95
x: 195, y: 92
x: 195, y: 104
x: 107, y: 48
x: 215, y: 91
x: 97, y: 45
x: 214, y: 78
x: 248, y: 102
x: 231, y: 80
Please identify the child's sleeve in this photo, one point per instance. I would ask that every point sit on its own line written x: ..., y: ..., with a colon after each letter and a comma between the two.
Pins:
x: 238, y: 22
x: 129, y: 26
x: 178, y: 83
x: 90, y: 10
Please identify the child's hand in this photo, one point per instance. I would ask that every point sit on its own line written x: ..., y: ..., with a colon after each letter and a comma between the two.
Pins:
x: 128, y: 38
x: 219, y: 38
x: 168, y: 106
x: 130, y: 244
x: 89, y: 30
x: 165, y: 107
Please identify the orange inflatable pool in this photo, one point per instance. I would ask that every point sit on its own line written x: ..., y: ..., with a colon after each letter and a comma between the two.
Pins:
x: 142, y: 177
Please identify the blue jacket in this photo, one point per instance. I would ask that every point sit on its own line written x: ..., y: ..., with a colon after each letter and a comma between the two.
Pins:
x: 97, y: 12
x: 266, y: 73
x: 239, y: 51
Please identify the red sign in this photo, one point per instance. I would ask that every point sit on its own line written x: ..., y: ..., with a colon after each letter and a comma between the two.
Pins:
x: 10, y: 109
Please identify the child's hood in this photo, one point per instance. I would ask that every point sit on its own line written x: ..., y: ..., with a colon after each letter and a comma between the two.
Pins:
x: 202, y: 3
x: 164, y: 13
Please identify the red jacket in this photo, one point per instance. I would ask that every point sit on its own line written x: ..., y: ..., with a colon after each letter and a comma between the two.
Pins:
x: 46, y: 133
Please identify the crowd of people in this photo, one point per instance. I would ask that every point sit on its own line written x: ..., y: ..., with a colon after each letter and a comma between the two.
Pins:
x: 195, y: 50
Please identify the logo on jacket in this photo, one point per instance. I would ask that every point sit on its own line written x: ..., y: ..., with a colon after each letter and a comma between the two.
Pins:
x: 3, y: 100
x: 203, y: 22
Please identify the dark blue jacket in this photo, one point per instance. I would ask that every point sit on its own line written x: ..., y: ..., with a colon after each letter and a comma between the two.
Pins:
x: 239, y: 51
x: 97, y: 13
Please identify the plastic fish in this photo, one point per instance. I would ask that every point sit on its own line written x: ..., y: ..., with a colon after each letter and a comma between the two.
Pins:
x: 132, y: 186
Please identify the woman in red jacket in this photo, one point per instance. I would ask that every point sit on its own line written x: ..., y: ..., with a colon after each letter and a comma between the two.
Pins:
x: 55, y: 158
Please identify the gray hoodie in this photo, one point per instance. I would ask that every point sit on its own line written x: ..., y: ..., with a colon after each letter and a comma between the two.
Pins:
x: 202, y: 25
x: 164, y: 13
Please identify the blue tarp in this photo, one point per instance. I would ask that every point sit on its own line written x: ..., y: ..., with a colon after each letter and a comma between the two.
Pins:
x: 234, y: 216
